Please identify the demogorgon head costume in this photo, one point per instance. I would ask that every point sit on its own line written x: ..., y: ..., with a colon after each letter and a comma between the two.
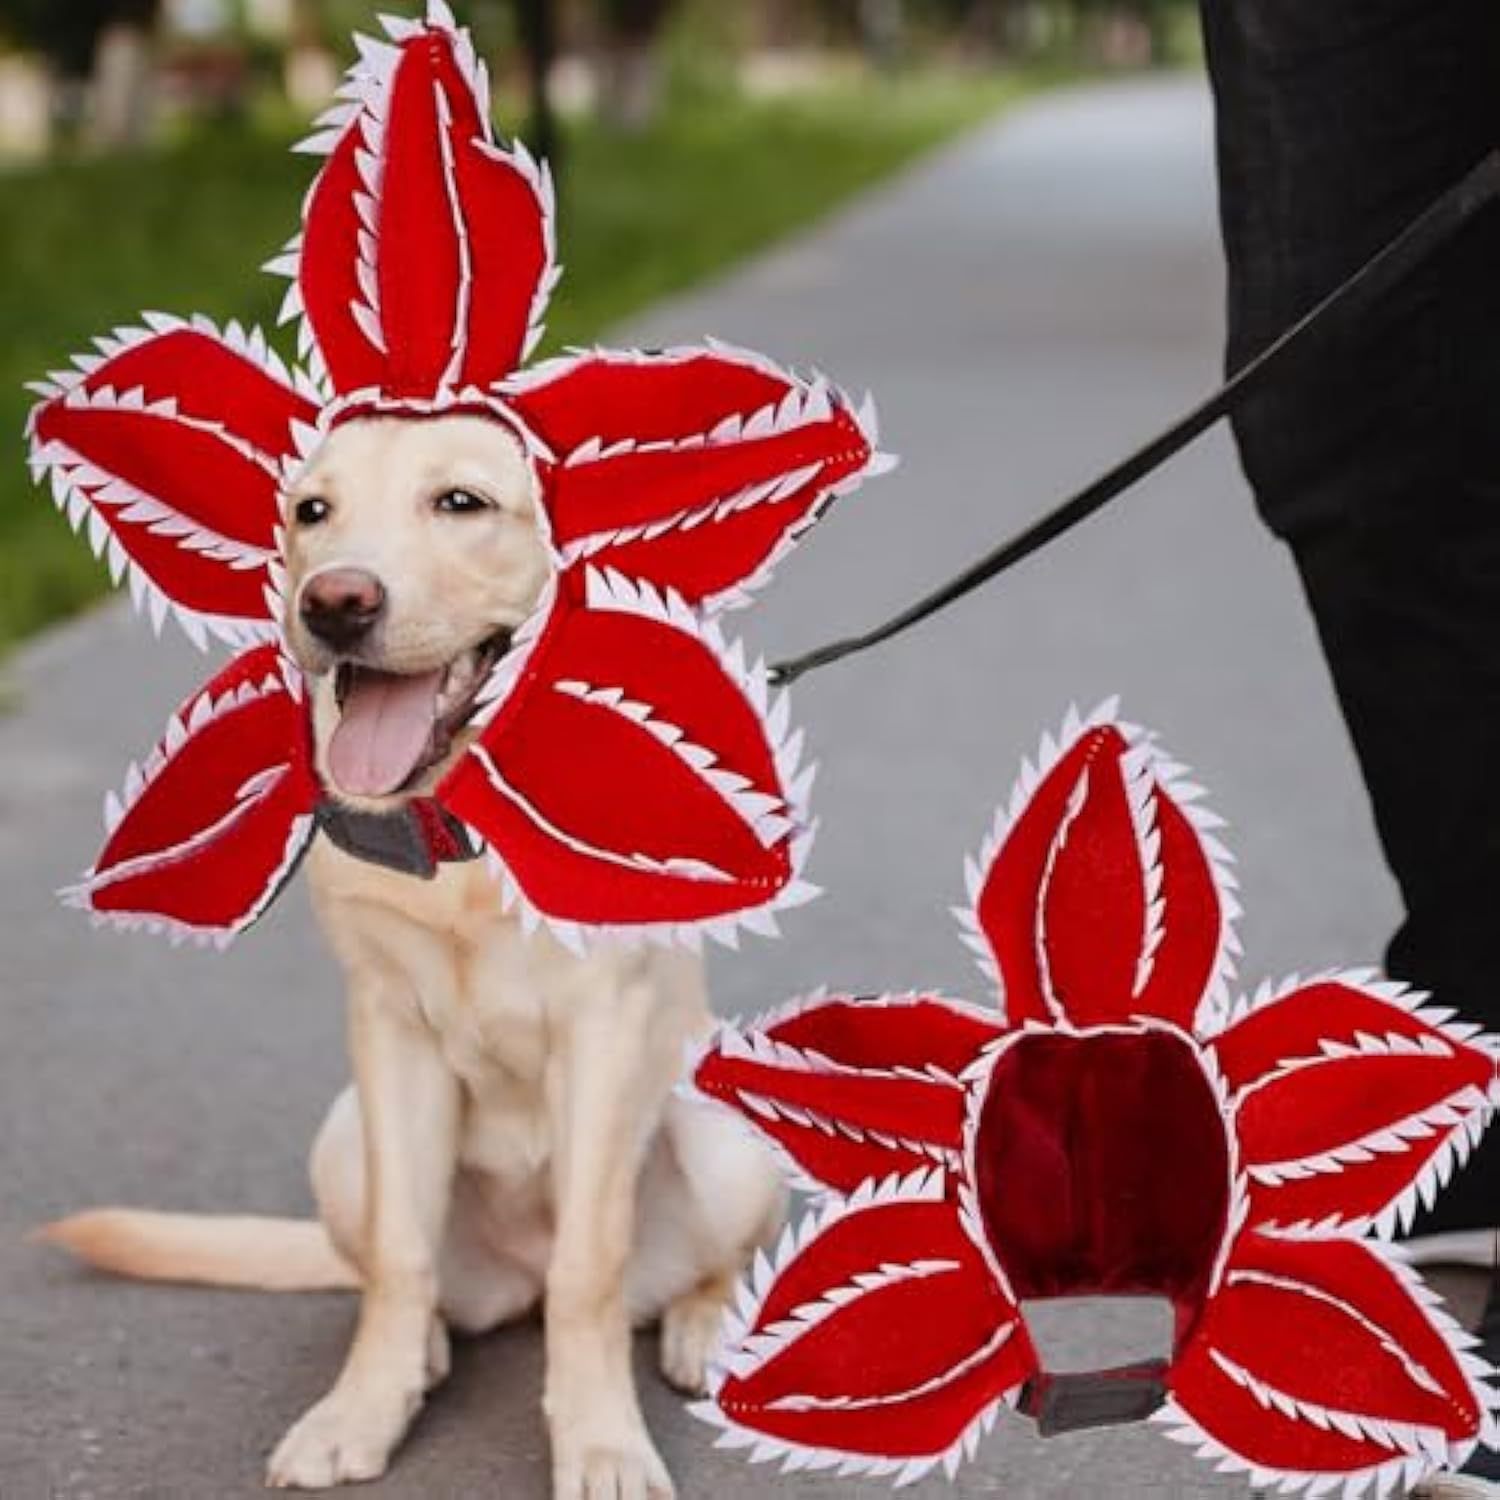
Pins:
x: 630, y: 772
x: 1116, y: 1126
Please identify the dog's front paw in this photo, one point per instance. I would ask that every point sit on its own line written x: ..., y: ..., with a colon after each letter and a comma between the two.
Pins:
x: 598, y: 1470
x: 348, y: 1436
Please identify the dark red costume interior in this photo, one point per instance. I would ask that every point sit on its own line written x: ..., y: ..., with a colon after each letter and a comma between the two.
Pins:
x: 1102, y: 1167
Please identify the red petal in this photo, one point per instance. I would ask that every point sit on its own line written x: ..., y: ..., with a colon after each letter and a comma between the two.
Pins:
x: 1349, y: 1103
x: 1190, y: 954
x: 425, y: 257
x: 506, y: 202
x: 175, y: 444
x: 902, y: 1344
x: 328, y: 271
x: 838, y: 1085
x: 1100, y: 902
x: 214, y: 824
x: 691, y: 503
x: 894, y: 1031
x: 630, y: 778
x: 1315, y: 1358
x: 419, y: 250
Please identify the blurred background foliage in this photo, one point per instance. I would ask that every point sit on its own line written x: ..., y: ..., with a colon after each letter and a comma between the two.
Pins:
x: 143, y: 159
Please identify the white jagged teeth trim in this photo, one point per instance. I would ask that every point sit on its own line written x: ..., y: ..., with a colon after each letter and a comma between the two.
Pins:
x: 725, y: 930
x: 1077, y: 801
x: 1401, y: 1471
x: 1172, y: 781
x: 761, y: 812
x: 1479, y: 1375
x: 1452, y: 1113
x: 1403, y: 1436
x: 177, y: 932
x: 976, y: 1079
x: 818, y: 402
x: 458, y: 338
x: 805, y: 405
x: 923, y: 1185
x: 779, y: 1112
x: 544, y: 372
x: 156, y: 859
x: 367, y: 92
x: 1465, y: 1111
x: 1367, y: 982
x: 249, y: 344
x: 1141, y: 794
x: 1399, y: 1215
x: 977, y: 867
x: 578, y: 938
x: 685, y: 868
x: 1415, y: 1372
x: 771, y: 491
x: 606, y: 589
x: 508, y: 671
x: 79, y: 487
x: 746, y: 1352
x: 538, y: 177
x: 820, y: 998
x: 146, y: 595
x: 181, y: 728
x: 364, y: 103
x: 1237, y: 1183
x: 755, y: 1046
x: 401, y: 28
x: 76, y: 503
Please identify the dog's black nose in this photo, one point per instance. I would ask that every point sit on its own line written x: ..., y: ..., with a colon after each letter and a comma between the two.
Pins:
x: 341, y: 605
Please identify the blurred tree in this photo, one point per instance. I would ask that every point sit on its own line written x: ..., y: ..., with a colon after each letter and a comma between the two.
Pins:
x: 882, y: 29
x: 107, y: 41
x: 537, y: 24
x: 309, y: 67
x: 630, y: 83
x: 68, y: 33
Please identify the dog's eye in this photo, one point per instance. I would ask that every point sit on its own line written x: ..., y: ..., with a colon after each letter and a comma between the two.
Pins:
x: 459, y: 503
x: 312, y: 511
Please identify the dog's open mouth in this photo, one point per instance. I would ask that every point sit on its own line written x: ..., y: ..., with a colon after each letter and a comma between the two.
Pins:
x: 394, y: 726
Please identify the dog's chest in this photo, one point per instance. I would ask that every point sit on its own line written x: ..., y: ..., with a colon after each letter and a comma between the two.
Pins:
x: 494, y: 1023
x: 481, y: 987
x: 491, y: 1022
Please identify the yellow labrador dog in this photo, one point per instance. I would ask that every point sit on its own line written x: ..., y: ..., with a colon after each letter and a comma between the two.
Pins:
x: 512, y: 1137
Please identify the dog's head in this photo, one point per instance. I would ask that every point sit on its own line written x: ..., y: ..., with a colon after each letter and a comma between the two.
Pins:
x: 414, y: 550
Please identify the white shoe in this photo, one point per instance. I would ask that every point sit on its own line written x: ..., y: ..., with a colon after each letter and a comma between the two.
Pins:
x: 1479, y: 1249
x: 1456, y: 1487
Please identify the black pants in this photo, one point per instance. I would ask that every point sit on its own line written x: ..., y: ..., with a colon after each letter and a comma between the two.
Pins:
x: 1338, y: 120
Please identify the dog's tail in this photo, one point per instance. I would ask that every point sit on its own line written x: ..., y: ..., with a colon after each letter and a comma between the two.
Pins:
x: 274, y: 1255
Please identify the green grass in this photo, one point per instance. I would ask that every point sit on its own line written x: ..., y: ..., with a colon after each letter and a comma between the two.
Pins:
x: 89, y: 244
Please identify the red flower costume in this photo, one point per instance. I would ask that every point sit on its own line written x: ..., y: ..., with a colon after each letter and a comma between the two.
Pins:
x: 1119, y: 1129
x: 632, y: 772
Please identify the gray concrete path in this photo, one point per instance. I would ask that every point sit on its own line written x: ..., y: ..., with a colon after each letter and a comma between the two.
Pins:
x: 1025, y: 306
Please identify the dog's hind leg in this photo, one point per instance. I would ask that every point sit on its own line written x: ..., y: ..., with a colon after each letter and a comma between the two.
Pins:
x: 711, y: 1195
x: 478, y: 1288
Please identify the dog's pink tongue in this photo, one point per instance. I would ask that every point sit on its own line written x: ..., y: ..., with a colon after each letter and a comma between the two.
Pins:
x: 386, y: 725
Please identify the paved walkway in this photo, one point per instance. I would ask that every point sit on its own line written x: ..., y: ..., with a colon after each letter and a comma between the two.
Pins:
x: 1025, y: 306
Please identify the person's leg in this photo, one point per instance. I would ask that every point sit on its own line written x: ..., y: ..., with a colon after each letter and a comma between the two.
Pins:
x: 1380, y: 463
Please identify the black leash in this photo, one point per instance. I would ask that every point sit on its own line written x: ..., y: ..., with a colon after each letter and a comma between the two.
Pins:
x: 1387, y: 268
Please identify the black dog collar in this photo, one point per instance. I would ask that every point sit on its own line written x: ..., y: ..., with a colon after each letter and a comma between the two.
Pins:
x: 415, y: 839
